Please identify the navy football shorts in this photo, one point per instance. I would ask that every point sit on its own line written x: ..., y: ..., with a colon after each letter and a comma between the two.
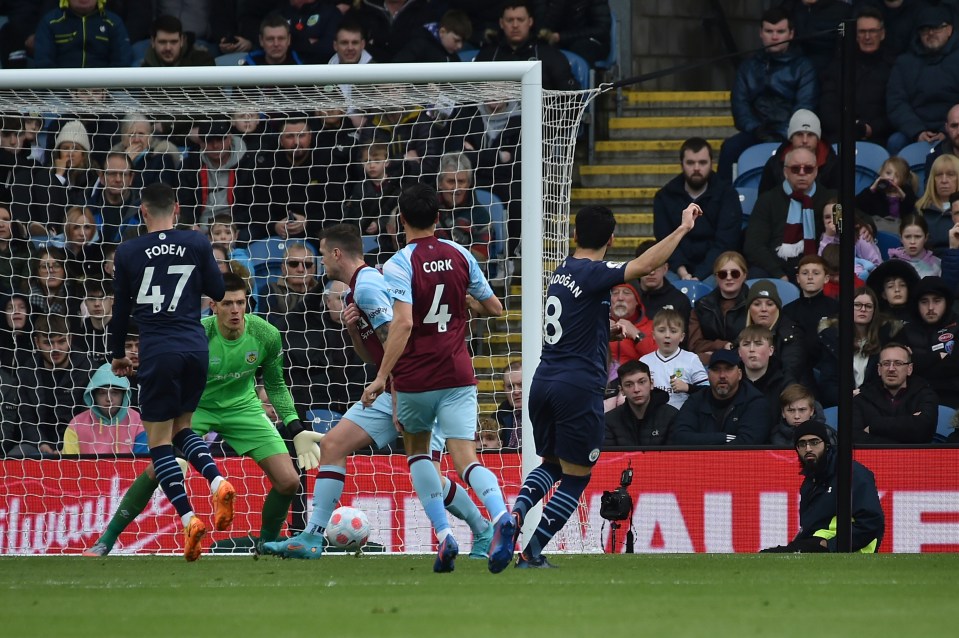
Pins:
x: 568, y: 421
x: 171, y: 383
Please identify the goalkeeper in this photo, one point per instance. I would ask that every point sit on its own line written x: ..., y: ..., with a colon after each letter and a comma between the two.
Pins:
x: 241, y: 345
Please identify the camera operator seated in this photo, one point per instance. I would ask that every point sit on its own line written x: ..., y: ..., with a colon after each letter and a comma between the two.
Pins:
x: 645, y: 417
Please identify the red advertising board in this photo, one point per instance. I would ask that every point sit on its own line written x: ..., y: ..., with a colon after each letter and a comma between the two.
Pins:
x: 685, y: 501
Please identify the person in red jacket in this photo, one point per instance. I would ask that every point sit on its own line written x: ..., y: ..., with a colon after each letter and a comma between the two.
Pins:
x: 626, y: 310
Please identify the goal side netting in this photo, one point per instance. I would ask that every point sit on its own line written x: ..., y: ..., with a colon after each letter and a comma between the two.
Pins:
x: 262, y: 161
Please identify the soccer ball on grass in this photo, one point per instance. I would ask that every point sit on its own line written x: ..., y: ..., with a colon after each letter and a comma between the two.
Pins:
x: 349, y: 529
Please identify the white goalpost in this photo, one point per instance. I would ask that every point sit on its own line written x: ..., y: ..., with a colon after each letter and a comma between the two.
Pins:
x: 490, y: 124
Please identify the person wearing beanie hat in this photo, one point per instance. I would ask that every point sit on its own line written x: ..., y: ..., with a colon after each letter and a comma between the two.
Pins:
x: 764, y: 308
x: 818, y: 494
x: 805, y: 131
x: 73, y: 132
x: 626, y: 311
x: 932, y: 338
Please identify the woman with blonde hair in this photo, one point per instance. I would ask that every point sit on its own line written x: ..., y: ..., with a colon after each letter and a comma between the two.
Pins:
x: 942, y: 181
x: 717, y: 318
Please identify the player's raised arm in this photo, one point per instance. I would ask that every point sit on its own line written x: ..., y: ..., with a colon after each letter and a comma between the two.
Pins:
x: 660, y: 252
x: 489, y: 307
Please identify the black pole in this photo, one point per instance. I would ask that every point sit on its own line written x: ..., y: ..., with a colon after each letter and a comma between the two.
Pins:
x: 847, y: 241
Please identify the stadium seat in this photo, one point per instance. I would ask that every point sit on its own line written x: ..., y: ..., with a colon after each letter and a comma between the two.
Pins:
x: 497, y: 213
x: 468, y: 55
x: 869, y: 159
x: 885, y: 241
x: 693, y: 289
x: 580, y: 68
x: 787, y: 291
x: 139, y: 50
x: 370, y: 245
x: 323, y: 420
x: 944, y: 425
x: 747, y: 199
x: 915, y: 155
x: 749, y: 166
x: 831, y: 415
x: 612, y: 59
x: 231, y: 59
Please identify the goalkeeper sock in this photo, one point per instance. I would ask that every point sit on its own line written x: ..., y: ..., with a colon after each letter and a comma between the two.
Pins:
x: 428, y: 488
x: 537, y: 484
x: 135, y: 500
x: 560, y: 508
x: 275, y: 509
x: 198, y: 454
x: 326, y: 494
x: 170, y: 478
x: 459, y: 504
x: 487, y: 489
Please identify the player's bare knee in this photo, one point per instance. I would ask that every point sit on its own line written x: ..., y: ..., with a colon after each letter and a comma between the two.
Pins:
x: 287, y: 483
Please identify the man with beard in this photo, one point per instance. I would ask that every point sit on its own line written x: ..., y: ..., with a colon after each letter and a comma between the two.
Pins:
x: 717, y: 231
x: 730, y: 413
x: 626, y: 312
x: 817, y: 498
x: 932, y: 339
x: 898, y: 407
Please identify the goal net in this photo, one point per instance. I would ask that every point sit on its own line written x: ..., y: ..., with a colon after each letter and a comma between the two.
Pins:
x: 262, y: 160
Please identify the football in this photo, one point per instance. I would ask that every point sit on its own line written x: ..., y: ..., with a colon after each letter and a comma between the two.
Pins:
x: 349, y: 528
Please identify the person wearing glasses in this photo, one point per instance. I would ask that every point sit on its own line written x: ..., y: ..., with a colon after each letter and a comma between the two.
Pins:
x: 924, y: 82
x: 805, y: 131
x: 897, y: 408
x: 818, y: 493
x: 932, y: 338
x: 297, y: 277
x: 719, y: 317
x: 784, y: 225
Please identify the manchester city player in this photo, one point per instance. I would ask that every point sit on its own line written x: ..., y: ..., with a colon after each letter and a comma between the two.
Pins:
x: 433, y: 379
x: 241, y: 347
x: 161, y: 278
x: 566, y: 395
x: 367, y: 316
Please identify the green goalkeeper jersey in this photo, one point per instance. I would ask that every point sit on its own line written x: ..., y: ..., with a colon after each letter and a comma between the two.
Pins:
x: 231, y: 379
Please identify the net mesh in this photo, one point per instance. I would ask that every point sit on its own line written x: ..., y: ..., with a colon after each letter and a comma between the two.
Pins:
x: 261, y: 170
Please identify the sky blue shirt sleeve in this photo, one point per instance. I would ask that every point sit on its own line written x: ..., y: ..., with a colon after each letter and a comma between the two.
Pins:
x: 479, y: 287
x: 372, y: 298
x: 398, y: 273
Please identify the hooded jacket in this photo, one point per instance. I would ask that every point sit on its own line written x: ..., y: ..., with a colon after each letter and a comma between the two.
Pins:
x: 95, y: 432
x: 933, y: 346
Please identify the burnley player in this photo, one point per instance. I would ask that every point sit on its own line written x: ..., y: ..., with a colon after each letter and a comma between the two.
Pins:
x: 367, y: 316
x: 161, y: 278
x: 566, y: 395
x: 241, y: 346
x: 432, y: 373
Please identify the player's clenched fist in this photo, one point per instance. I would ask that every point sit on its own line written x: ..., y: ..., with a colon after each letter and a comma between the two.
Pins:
x: 351, y: 314
x: 690, y: 213
x: 372, y: 391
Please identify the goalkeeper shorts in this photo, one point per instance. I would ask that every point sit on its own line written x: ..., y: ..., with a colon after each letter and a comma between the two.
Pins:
x: 249, y: 432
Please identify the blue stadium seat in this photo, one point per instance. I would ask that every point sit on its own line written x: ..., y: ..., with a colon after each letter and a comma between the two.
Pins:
x: 831, y: 415
x: 497, y: 247
x: 747, y: 200
x: 370, y: 245
x: 139, y: 50
x: 231, y: 59
x: 944, y: 426
x: 693, y: 289
x: 885, y: 241
x: 612, y: 59
x: 787, y: 291
x: 869, y: 159
x: 580, y: 68
x: 323, y: 420
x: 468, y: 55
x: 915, y: 155
x: 750, y: 165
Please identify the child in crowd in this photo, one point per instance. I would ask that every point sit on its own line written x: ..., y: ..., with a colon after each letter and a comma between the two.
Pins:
x: 110, y: 425
x: 914, y: 233
x: 892, y: 196
x: 867, y: 254
x: 813, y: 305
x: 487, y: 434
x: 671, y: 368
x: 373, y: 199
x: 830, y: 255
x: 798, y: 405
x: 223, y: 231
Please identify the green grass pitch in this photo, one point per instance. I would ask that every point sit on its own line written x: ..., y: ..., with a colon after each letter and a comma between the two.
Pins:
x: 372, y: 596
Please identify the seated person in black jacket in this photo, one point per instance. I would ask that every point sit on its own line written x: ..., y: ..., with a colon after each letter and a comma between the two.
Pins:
x: 438, y: 41
x: 932, y: 339
x: 645, y: 417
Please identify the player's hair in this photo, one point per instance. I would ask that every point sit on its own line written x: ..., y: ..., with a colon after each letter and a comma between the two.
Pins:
x: 346, y: 237
x: 457, y: 22
x: 233, y: 282
x: 669, y: 317
x: 694, y: 145
x: 796, y: 392
x: 167, y: 24
x: 51, y: 326
x: 756, y: 332
x: 274, y: 20
x: 159, y: 199
x: 419, y: 206
x: 594, y: 226
x: 632, y: 367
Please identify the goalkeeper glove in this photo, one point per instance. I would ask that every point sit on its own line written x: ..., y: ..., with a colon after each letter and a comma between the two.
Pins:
x: 306, y: 444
